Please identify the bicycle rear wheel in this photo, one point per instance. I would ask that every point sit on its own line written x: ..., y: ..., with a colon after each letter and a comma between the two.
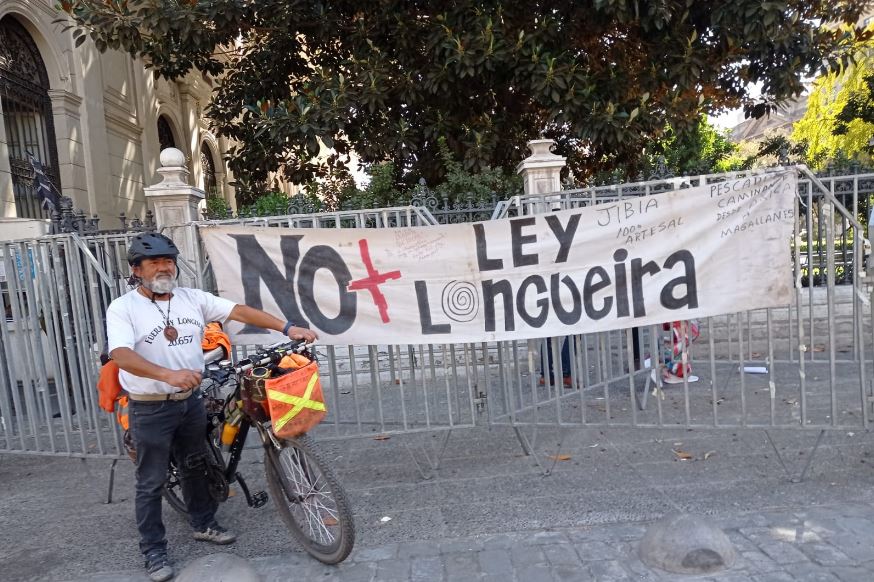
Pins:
x: 218, y: 485
x: 310, y: 500
x: 172, y: 490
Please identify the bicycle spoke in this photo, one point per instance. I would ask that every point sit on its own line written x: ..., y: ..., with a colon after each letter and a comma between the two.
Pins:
x: 311, y: 497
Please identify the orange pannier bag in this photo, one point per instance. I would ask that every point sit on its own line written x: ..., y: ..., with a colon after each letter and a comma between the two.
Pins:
x: 121, y: 415
x: 295, y: 400
x: 108, y: 386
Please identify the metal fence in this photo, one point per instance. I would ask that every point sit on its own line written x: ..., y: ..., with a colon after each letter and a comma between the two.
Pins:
x: 799, y: 367
x: 804, y: 366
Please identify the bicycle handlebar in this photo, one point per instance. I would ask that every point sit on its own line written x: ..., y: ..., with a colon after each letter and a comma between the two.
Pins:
x: 272, y: 353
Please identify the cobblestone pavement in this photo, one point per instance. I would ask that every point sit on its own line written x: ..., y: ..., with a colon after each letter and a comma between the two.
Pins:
x: 488, y: 513
x: 828, y: 544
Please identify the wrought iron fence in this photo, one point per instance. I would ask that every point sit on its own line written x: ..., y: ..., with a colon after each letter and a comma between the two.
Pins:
x: 66, y: 220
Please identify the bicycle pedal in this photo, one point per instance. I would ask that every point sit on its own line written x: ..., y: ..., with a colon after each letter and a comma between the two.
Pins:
x: 259, y: 499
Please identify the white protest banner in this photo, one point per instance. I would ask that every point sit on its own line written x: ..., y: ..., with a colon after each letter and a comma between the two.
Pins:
x: 690, y: 253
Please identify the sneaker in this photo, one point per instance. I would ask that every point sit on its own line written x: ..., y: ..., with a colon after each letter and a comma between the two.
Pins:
x: 159, y: 568
x: 215, y: 534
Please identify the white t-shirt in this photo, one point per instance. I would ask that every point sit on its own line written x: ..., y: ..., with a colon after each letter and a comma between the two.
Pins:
x: 132, y: 321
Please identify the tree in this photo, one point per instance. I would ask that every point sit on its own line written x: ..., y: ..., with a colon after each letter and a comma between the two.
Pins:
x: 839, y: 121
x: 389, y: 78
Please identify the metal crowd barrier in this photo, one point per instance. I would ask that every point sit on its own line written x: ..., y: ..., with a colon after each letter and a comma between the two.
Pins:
x: 804, y: 366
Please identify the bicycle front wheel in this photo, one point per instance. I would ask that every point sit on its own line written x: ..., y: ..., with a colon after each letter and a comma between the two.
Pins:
x: 310, y: 500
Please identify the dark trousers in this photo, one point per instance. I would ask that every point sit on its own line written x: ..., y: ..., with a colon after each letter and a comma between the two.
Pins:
x: 565, y: 357
x: 159, y: 429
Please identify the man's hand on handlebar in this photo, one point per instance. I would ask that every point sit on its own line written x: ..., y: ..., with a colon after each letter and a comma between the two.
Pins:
x: 302, y: 333
x: 185, y: 379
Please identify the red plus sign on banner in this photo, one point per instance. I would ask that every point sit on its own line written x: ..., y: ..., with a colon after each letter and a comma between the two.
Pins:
x: 373, y: 280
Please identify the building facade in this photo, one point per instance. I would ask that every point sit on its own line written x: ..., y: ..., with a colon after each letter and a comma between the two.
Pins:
x: 96, y: 121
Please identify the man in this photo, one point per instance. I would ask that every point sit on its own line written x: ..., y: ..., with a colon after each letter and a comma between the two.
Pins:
x: 154, y: 335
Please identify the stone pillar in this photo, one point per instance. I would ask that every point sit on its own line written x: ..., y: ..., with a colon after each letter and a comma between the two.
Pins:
x: 541, y: 171
x: 175, y: 205
x: 71, y: 151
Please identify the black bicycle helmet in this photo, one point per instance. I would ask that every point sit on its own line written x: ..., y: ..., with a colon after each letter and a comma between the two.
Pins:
x: 150, y: 245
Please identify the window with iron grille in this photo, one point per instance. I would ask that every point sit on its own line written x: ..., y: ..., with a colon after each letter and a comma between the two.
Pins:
x: 27, y: 115
x: 207, y: 165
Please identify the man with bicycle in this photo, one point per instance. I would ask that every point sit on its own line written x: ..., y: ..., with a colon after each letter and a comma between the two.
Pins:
x: 159, y: 355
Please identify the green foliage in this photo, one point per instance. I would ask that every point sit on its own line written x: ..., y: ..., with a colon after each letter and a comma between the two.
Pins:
x: 701, y: 149
x: 217, y: 208
x: 336, y: 191
x: 839, y: 121
x: 272, y: 203
x: 385, y: 78
x: 458, y: 182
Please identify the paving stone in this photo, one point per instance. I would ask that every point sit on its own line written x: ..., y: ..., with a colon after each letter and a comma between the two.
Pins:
x: 569, y: 573
x: 548, y: 538
x: 852, y: 574
x: 377, y: 553
x: 561, y: 555
x: 461, y: 563
x: 729, y: 577
x: 593, y: 550
x: 608, y: 571
x: 810, y: 573
x: 426, y: 569
x: 527, y: 556
x: 352, y: 572
x: 495, y: 561
x: 534, y: 573
x: 418, y: 549
x: 504, y: 541
x: 462, y: 545
x: 780, y: 552
x: 858, y: 549
x: 826, y: 555
x: 393, y: 570
x: 757, y: 561
x: 780, y: 576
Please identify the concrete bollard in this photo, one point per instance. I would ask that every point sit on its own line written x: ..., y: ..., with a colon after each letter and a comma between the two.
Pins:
x: 686, y: 544
x: 220, y: 567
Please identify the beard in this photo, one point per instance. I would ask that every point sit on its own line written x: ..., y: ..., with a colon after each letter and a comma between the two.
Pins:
x: 160, y: 284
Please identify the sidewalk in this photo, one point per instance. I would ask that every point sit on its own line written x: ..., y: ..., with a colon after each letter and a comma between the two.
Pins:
x: 488, y: 513
x: 829, y: 543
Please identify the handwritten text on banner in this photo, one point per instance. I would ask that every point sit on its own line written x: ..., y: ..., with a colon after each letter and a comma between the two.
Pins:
x: 695, y: 252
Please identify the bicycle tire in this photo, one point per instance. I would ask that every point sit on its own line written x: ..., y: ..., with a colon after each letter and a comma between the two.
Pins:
x: 297, y: 466
x: 172, y: 489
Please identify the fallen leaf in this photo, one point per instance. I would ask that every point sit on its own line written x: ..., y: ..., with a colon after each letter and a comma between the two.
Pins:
x: 559, y: 457
x: 682, y: 455
x: 385, y: 519
x: 330, y: 520
x: 709, y: 454
x: 381, y: 437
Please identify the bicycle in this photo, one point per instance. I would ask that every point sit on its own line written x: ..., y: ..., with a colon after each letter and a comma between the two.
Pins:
x: 306, y: 492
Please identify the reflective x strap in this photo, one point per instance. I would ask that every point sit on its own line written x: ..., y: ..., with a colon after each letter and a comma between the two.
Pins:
x: 298, y: 402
